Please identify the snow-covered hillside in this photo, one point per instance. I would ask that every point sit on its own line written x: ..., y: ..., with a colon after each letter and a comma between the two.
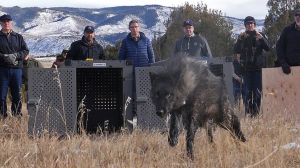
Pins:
x: 48, y: 31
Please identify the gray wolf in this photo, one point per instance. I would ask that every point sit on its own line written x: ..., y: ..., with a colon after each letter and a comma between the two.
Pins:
x: 186, y: 88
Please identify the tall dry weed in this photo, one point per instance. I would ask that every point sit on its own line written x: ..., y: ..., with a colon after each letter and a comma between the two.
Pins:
x: 269, y: 137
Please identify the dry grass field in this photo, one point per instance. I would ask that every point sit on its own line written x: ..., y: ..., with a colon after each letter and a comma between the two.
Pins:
x: 273, y: 142
x: 266, y: 147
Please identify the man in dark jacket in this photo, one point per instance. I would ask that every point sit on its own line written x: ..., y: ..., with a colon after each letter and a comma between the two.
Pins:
x: 13, y: 50
x: 136, y: 47
x: 250, y: 46
x: 288, y: 45
x: 87, y: 48
x: 192, y: 44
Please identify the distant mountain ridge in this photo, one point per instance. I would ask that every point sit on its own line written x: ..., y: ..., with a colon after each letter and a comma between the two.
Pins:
x: 48, y: 31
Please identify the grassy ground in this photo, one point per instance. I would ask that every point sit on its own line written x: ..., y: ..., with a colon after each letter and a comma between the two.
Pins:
x: 264, y: 148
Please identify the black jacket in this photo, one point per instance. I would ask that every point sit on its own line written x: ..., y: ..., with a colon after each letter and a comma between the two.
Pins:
x: 81, y: 50
x: 13, y: 43
x: 288, y: 46
x: 251, y: 50
x: 195, y: 46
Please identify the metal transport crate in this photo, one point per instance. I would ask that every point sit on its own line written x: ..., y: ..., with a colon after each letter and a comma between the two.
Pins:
x: 86, y: 95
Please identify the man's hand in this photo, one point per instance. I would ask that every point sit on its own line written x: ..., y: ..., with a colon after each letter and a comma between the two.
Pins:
x: 26, y: 57
x: 10, y: 58
x: 240, y: 80
x: 258, y: 36
x: 286, y: 68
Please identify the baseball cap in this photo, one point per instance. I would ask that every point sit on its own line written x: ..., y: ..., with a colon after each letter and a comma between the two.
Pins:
x: 188, y: 22
x: 89, y: 29
x: 5, y: 17
x: 249, y: 19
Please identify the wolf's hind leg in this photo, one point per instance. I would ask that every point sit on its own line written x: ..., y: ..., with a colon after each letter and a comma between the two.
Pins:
x: 232, y: 124
x: 236, y: 128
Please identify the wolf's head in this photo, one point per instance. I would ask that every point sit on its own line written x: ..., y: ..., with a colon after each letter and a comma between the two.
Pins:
x: 165, y: 94
x: 174, y: 86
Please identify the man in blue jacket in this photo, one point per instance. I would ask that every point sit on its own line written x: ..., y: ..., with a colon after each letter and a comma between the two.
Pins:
x: 136, y: 47
x: 13, y: 50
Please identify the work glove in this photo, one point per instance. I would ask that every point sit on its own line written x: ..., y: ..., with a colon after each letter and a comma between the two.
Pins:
x: 10, y: 59
x: 286, y: 68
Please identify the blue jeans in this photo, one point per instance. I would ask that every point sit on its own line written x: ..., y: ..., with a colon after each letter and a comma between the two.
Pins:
x: 252, y: 90
x: 10, y: 78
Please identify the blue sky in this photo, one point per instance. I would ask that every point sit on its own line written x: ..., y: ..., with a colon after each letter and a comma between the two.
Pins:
x: 235, y: 8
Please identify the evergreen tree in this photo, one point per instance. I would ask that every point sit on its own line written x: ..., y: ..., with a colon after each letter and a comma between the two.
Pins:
x: 209, y: 23
x: 112, y: 52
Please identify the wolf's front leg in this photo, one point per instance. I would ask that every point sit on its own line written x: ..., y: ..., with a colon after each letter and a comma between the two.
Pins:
x: 174, y: 129
x: 190, y: 136
x: 209, y: 130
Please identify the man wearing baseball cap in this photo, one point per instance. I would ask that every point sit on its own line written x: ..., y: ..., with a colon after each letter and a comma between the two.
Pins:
x: 87, y: 48
x: 13, y: 51
x: 194, y: 45
x: 249, y: 47
x: 288, y: 45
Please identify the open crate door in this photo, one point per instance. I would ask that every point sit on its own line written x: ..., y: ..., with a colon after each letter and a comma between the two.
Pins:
x: 146, y: 114
x: 52, y: 101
